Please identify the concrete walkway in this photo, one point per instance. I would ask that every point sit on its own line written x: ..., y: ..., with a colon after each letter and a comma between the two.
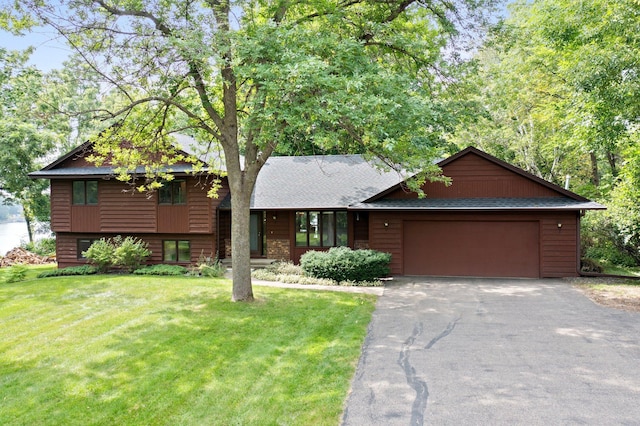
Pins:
x: 496, y: 352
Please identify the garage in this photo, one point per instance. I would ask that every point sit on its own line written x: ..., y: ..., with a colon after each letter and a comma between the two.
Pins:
x: 482, y: 248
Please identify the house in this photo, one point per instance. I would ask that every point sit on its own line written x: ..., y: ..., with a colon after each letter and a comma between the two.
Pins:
x: 494, y: 220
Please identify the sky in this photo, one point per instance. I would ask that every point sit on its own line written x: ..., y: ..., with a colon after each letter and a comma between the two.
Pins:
x: 50, y: 51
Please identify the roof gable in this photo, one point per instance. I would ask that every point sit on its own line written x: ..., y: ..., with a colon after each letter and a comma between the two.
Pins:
x: 476, y: 174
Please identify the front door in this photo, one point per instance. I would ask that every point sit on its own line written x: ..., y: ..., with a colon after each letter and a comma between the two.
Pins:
x: 256, y: 229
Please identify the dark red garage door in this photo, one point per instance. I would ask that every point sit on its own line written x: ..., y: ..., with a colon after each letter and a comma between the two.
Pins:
x: 471, y: 248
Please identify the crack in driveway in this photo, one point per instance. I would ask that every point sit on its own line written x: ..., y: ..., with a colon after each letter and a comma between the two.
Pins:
x: 419, y: 405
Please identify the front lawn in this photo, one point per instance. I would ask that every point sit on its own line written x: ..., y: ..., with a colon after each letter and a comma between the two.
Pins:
x: 139, y: 350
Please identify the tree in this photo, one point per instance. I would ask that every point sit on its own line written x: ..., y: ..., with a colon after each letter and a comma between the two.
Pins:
x: 247, y: 75
x: 23, y: 140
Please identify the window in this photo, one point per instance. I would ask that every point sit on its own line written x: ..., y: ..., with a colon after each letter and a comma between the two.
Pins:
x: 85, y: 192
x: 174, y: 192
x: 176, y: 251
x: 321, y: 229
x: 83, y: 245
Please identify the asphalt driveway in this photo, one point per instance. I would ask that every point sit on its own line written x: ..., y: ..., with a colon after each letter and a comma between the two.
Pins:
x: 496, y: 352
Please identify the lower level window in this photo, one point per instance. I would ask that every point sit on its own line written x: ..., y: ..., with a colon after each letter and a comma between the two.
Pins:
x: 83, y: 245
x: 176, y: 251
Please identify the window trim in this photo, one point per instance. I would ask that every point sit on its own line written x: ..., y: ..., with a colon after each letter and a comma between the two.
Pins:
x: 320, y: 226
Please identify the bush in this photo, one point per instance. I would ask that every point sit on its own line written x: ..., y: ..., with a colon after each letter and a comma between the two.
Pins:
x: 175, y: 270
x: 284, y: 268
x: 71, y: 270
x: 343, y: 264
x: 15, y: 273
x: 128, y: 253
x: 101, y: 254
x: 602, y: 241
x: 42, y: 247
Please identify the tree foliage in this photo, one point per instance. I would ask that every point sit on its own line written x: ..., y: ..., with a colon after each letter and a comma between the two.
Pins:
x: 23, y: 136
x: 252, y: 77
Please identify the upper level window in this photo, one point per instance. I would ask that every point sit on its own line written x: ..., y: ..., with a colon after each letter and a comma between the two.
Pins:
x: 321, y: 229
x: 85, y: 192
x: 174, y: 192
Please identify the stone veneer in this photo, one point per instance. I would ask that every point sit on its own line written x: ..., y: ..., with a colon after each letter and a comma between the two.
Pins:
x: 278, y: 249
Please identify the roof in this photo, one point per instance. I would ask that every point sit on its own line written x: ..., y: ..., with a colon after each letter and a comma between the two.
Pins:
x: 95, y: 172
x: 340, y: 182
x: 480, y: 204
x: 186, y: 144
x: 319, y: 182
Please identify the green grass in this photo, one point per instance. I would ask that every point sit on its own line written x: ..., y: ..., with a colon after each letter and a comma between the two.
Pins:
x: 135, y: 350
x: 621, y: 270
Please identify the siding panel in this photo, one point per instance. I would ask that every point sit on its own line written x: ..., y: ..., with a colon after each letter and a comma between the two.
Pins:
x: 474, y: 177
x: 60, y: 206
x: 123, y: 212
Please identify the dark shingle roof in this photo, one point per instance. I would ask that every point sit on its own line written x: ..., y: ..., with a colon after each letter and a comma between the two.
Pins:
x: 482, y: 204
x: 77, y: 172
x: 319, y: 182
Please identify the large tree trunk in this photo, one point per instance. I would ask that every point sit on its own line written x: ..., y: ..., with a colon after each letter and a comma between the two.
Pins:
x: 240, y: 245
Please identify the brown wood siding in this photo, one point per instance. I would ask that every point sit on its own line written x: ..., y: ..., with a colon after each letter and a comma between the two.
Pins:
x: 60, y: 206
x: 173, y: 218
x: 280, y: 227
x: 558, y: 247
x: 360, y: 225
x: 475, y: 177
x: 201, y: 208
x: 85, y: 218
x: 124, y: 212
x: 67, y: 246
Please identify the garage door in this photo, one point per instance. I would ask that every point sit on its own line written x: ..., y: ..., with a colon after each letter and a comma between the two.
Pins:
x: 471, y: 248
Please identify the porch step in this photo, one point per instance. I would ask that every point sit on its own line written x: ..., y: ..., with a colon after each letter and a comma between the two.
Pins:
x: 255, y: 263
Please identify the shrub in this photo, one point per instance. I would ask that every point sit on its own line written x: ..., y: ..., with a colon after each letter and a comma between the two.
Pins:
x: 15, y: 273
x: 175, y: 270
x: 284, y: 268
x: 210, y: 266
x: 71, y: 270
x: 602, y: 240
x: 344, y: 264
x: 130, y: 253
x: 42, y: 247
x: 101, y: 254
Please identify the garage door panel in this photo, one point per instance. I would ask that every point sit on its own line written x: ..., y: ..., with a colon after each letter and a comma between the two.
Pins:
x: 471, y: 248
